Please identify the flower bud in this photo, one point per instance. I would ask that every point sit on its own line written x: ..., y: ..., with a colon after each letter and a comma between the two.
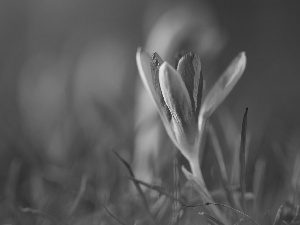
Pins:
x: 177, y: 99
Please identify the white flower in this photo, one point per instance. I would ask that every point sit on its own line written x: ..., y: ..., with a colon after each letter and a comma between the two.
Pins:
x: 178, y: 93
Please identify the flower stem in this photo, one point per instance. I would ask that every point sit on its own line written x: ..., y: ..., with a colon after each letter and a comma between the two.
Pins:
x: 202, y: 189
x: 198, y: 177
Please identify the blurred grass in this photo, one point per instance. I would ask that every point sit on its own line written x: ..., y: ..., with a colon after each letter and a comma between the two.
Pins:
x: 67, y: 95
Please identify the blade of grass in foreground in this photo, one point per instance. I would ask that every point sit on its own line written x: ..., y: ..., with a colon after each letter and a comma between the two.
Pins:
x: 243, y: 158
x: 295, y: 218
x: 158, y: 189
x: 224, y: 206
x: 176, y: 204
x: 278, y: 216
x: 40, y: 213
x: 258, y: 178
x: 113, y: 216
x: 241, y: 221
x: 135, y: 183
x: 218, y: 152
x: 221, y: 164
x: 211, y: 218
x: 141, y: 193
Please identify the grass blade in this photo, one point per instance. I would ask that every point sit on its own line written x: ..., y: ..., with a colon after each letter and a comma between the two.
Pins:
x: 295, y: 218
x: 258, y: 178
x: 231, y: 133
x: 218, y: 152
x: 158, y: 189
x: 221, y: 164
x: 113, y: 216
x: 176, y: 204
x: 278, y: 216
x: 243, y: 158
x: 79, y: 194
x: 211, y: 218
x: 141, y: 193
x: 39, y: 213
x: 224, y: 206
x: 241, y: 221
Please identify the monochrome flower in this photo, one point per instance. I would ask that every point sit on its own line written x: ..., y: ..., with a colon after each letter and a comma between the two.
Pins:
x: 178, y: 94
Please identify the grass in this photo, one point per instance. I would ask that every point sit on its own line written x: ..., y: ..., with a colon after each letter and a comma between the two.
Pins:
x: 97, y: 185
x: 96, y: 189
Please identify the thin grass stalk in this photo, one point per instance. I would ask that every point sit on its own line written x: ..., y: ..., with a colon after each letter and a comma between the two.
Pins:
x: 259, y: 174
x: 243, y: 158
x: 224, y: 206
x: 221, y: 165
x: 141, y: 193
x: 113, y: 216
x: 211, y: 218
x: 176, y: 189
x: 241, y: 221
x: 40, y: 213
x: 158, y: 189
x: 295, y: 218
x: 278, y: 216
x: 231, y: 132
x: 79, y: 194
x: 218, y: 152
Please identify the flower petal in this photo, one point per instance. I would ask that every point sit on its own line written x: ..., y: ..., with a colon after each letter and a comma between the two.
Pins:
x: 145, y: 66
x: 155, y: 65
x: 178, y: 101
x: 223, y: 86
x: 189, y: 67
x: 178, y: 56
x: 149, y: 71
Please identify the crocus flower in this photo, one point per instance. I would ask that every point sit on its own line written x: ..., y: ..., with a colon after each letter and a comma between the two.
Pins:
x: 177, y: 93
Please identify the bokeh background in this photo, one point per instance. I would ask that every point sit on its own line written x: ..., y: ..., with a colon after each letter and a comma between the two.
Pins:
x: 70, y: 93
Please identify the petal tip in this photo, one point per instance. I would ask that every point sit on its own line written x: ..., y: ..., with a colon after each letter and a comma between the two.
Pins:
x: 139, y: 51
x: 156, y: 59
x: 243, y: 58
x: 138, y: 55
x: 243, y: 61
x: 193, y: 57
x: 164, y: 68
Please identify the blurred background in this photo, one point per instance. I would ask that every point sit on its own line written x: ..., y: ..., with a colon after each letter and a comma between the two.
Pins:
x: 70, y: 93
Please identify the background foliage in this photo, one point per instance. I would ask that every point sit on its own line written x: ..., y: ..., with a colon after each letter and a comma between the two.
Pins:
x: 69, y: 93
